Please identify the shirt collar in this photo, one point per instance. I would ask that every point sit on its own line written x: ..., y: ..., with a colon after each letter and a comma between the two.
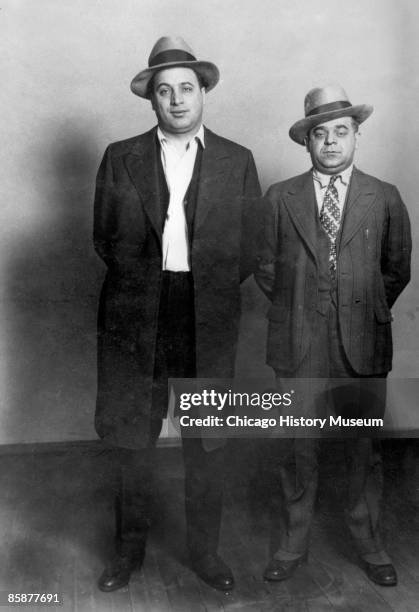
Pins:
x: 323, y: 179
x: 199, y: 136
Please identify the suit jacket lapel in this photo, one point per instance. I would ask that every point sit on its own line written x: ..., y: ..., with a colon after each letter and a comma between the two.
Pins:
x: 361, y: 197
x: 215, y: 169
x: 301, y: 205
x: 142, y: 167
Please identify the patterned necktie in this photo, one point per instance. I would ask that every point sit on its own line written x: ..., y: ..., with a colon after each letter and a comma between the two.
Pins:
x: 330, y: 218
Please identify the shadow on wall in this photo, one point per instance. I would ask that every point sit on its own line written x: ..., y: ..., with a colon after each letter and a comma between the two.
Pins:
x: 52, y: 289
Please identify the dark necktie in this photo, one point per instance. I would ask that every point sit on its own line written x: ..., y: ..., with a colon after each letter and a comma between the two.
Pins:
x: 330, y: 218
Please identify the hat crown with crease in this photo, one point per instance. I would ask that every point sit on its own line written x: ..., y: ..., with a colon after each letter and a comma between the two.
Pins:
x: 319, y: 99
x: 174, y: 49
x: 323, y: 104
x: 172, y: 52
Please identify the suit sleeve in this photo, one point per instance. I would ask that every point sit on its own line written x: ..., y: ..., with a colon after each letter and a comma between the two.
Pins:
x: 251, y: 179
x: 103, y: 210
x: 251, y: 219
x: 267, y: 245
x: 397, y: 247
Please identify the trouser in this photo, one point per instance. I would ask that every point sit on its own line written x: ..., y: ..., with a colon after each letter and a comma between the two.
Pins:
x: 297, y: 471
x: 203, y: 497
x: 296, y: 462
x: 204, y: 470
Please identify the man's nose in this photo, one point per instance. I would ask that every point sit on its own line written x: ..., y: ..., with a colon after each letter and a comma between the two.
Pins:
x: 330, y: 138
x: 177, y: 97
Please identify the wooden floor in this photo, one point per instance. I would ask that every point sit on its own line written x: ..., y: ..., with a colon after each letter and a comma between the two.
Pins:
x: 56, y: 530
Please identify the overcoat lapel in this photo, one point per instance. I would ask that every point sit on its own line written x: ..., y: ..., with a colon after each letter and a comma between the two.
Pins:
x: 142, y: 166
x: 215, y: 170
x: 300, y: 202
x: 214, y: 173
x: 361, y: 196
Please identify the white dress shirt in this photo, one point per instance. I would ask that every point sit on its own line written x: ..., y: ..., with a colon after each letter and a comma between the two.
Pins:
x: 178, y: 169
x: 321, y: 182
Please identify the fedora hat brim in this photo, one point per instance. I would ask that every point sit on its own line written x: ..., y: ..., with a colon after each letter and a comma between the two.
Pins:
x: 208, y: 72
x: 298, y: 132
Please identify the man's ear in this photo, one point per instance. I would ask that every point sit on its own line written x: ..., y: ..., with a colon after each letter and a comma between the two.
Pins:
x: 203, y: 95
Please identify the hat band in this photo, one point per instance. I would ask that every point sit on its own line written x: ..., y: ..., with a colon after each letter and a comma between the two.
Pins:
x: 174, y: 55
x: 325, y: 108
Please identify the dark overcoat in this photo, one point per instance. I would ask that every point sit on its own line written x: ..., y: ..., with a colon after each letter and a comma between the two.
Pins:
x: 128, y: 237
x: 373, y: 267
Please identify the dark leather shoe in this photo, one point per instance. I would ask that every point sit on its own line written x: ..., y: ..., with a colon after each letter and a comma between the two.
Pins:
x: 212, y: 570
x: 384, y: 575
x: 117, y: 574
x: 277, y: 569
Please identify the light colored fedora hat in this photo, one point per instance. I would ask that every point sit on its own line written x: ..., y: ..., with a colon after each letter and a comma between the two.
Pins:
x: 169, y: 52
x: 324, y: 104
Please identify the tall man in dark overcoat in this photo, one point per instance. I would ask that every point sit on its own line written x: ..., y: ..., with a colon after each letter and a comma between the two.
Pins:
x: 174, y: 225
x: 336, y: 257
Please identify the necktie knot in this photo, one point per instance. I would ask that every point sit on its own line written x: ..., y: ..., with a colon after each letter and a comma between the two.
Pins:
x: 333, y: 180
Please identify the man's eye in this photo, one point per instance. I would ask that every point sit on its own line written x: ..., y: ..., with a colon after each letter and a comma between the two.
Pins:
x: 187, y: 89
x: 163, y: 92
x: 341, y: 133
x: 319, y: 135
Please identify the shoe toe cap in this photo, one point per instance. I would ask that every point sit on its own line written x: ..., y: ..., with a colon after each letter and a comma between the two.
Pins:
x: 384, y: 575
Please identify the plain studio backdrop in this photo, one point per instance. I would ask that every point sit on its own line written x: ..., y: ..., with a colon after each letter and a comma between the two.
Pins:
x: 66, y: 68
